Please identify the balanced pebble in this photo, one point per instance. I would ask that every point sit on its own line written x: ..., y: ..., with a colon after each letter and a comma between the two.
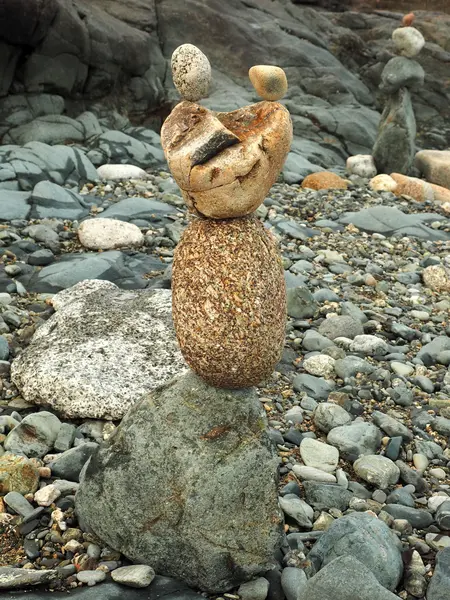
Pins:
x: 408, y: 41
x: 191, y: 72
x: 269, y: 82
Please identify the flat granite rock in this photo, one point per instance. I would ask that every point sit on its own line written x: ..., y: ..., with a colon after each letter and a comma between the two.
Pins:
x: 101, y: 351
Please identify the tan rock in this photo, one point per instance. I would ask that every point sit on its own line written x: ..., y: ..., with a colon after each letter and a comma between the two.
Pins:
x: 419, y: 189
x: 383, y: 183
x: 324, y: 180
x: 107, y: 234
x: 434, y: 165
x: 229, y: 301
x: 226, y: 163
x: 191, y: 72
x: 437, y: 278
x: 270, y: 82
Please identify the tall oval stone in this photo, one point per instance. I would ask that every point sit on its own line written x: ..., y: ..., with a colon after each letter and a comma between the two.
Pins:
x: 229, y: 301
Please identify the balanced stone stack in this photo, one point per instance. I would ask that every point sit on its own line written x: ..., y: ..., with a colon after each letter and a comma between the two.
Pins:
x: 229, y: 299
x: 188, y: 482
x: 394, y: 147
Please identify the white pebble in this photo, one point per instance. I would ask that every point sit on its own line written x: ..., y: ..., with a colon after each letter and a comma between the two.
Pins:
x: 191, y: 72
x: 408, y: 41
x: 47, y: 495
x: 108, y: 234
x: 119, y: 172
x: 362, y: 165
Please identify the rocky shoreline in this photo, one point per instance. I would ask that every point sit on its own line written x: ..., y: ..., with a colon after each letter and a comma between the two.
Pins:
x: 358, y: 408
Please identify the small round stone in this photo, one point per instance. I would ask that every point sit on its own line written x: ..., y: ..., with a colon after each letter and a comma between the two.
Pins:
x: 408, y: 41
x: 270, y: 82
x: 191, y: 72
x: 362, y: 165
x: 383, y: 183
x: 408, y: 19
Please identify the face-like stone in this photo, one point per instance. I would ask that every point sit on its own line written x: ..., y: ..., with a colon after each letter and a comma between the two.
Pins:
x: 191, y: 72
x: 226, y: 163
x: 229, y: 301
x: 270, y: 82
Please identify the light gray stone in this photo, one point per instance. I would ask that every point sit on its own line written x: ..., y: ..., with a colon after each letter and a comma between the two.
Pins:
x: 136, y: 576
x: 12, y: 578
x: 440, y: 582
x: 152, y: 491
x: 293, y: 581
x: 355, y: 439
x: 327, y: 416
x: 377, y: 470
x: 370, y: 345
x: 319, y: 455
x: 341, y: 326
x: 100, y: 352
x: 69, y: 464
x: 298, y: 509
x: 254, y: 590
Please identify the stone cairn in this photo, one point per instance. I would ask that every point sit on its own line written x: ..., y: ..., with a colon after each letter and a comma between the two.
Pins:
x: 229, y: 297
x: 394, y: 147
x: 188, y: 482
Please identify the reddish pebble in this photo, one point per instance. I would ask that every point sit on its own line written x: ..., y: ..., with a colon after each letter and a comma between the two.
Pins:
x: 408, y: 19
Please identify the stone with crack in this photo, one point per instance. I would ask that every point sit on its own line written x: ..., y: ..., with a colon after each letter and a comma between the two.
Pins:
x: 226, y: 163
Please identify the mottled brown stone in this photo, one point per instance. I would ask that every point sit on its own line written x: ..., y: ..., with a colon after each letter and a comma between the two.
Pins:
x: 229, y: 300
x: 324, y: 180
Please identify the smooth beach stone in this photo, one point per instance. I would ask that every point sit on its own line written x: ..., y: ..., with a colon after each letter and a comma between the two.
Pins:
x: 226, y: 163
x: 408, y: 41
x: 362, y: 165
x: 108, y: 234
x: 229, y: 301
x: 270, y: 82
x: 383, y: 183
x: 191, y: 72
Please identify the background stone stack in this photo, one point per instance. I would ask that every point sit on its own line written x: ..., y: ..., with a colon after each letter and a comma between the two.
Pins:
x: 394, y: 147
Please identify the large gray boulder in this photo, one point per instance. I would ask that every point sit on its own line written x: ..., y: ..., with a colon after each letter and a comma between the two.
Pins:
x: 365, y: 538
x: 188, y: 485
x: 100, y: 352
x: 440, y: 582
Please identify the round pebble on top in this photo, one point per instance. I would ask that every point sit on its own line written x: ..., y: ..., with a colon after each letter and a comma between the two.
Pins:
x: 408, y: 19
x: 408, y: 41
x: 269, y: 82
x: 191, y: 72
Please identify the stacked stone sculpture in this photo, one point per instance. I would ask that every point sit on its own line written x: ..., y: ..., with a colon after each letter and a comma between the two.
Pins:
x: 394, y: 147
x: 229, y: 297
x: 188, y: 483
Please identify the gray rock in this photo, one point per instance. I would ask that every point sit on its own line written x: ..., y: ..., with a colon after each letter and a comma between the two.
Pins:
x: 341, y: 326
x: 91, y: 577
x: 166, y: 506
x: 4, y: 348
x: 327, y: 416
x: 41, y: 258
x: 53, y: 201
x: 351, y: 310
x: 363, y: 538
x: 297, y: 167
x: 323, y: 496
x: 65, y: 437
x: 100, y: 352
x: 370, y: 345
x: 402, y: 395
x: 402, y: 72
x: 351, y: 366
x: 411, y: 476
x: 391, y: 426
x: 355, y: 439
x: 418, y: 518
x: 319, y: 455
x: 394, y: 148
x: 136, y: 576
x: 131, y: 209
x: 440, y: 582
x: 69, y: 464
x: 314, y: 341
x: 34, y: 436
x: 300, y: 303
x: 119, y: 148
x: 442, y: 426
x: 293, y: 581
x: 49, y: 129
x: 12, y: 578
x: 377, y: 470
x: 18, y: 504
x: 254, y: 590
x: 316, y: 387
x: 44, y: 234
x: 428, y: 354
x: 297, y: 509
x: 14, y: 205
x: 442, y: 516
x: 400, y: 496
x: 389, y: 220
x: 295, y: 230
x: 345, y: 578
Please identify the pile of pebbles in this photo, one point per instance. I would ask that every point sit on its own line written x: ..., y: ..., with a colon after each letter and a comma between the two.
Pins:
x: 358, y: 407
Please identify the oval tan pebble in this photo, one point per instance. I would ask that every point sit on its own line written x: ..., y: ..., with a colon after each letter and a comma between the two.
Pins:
x: 229, y: 301
x: 191, y: 72
x: 324, y: 180
x: 270, y: 82
x: 383, y: 183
